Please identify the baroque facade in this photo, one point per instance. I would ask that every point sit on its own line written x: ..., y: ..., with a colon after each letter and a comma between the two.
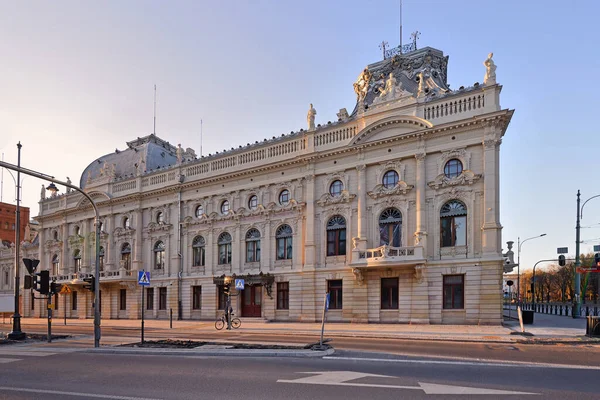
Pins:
x: 393, y: 209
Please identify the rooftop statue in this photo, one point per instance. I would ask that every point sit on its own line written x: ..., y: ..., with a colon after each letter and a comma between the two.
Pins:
x: 69, y: 182
x: 361, y: 86
x: 422, y: 86
x: 310, y: 117
x: 43, y: 192
x: 179, y: 154
x: 490, y: 71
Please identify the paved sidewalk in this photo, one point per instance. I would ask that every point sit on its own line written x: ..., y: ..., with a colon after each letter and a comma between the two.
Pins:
x: 550, y: 327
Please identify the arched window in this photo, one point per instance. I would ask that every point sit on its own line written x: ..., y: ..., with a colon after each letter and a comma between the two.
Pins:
x: 253, y: 245
x: 336, y: 236
x: 126, y: 256
x: 77, y: 260
x: 453, y: 224
x: 224, y: 243
x: 284, y: 197
x: 253, y: 202
x: 126, y: 224
x: 199, y: 251
x: 336, y: 187
x: 453, y: 168
x: 101, y: 257
x: 159, y: 255
x: 390, y: 227
x: 55, y: 264
x: 160, y: 217
x: 390, y: 179
x: 199, y: 211
x: 225, y: 207
x: 283, y: 235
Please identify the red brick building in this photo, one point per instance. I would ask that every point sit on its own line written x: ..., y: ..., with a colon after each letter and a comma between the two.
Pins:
x: 8, y: 219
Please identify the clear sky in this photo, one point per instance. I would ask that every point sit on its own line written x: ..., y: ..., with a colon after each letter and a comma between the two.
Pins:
x: 77, y: 78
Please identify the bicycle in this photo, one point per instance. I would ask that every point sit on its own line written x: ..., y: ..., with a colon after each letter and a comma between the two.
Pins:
x: 222, y: 322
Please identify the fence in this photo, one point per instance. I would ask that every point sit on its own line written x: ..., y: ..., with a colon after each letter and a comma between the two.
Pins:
x: 565, y: 309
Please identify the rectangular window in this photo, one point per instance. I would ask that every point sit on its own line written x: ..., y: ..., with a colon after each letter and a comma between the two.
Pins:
x: 74, y: 301
x: 123, y: 299
x: 283, y: 296
x: 389, y: 293
x: 56, y: 301
x: 454, y: 286
x: 196, y: 297
x: 222, y: 298
x: 162, y: 298
x: 150, y: 299
x: 335, y: 294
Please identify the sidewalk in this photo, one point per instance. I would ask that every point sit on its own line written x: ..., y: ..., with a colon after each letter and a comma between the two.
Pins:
x: 545, y: 327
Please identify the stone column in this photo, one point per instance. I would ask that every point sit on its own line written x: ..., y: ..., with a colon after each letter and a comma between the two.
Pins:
x: 362, y: 206
x: 267, y: 255
x: 65, y: 262
x: 237, y: 262
x: 421, y: 232
x: 139, y: 226
x: 109, y: 227
x: 491, y: 230
x: 308, y: 307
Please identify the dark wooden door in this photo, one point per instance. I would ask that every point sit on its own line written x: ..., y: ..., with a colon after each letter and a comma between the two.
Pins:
x: 252, y: 300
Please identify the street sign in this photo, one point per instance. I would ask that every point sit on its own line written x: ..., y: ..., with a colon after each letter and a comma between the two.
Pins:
x: 597, y: 247
x: 509, y: 283
x: 327, y: 302
x: 144, y: 278
x: 65, y: 289
x: 239, y: 284
x: 583, y: 270
x: 562, y: 250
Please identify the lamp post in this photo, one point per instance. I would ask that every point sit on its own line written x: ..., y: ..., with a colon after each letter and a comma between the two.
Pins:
x: 519, y: 244
x: 16, y: 333
x: 54, y: 189
x: 577, y: 308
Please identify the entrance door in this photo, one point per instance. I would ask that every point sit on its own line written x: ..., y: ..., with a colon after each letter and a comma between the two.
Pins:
x: 252, y: 301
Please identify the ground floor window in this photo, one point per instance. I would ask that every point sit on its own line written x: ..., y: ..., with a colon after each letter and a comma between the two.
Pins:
x: 74, y: 301
x: 283, y: 296
x: 389, y: 293
x: 222, y: 297
x: 196, y: 297
x: 335, y: 294
x: 162, y: 298
x: 123, y: 299
x: 454, y: 286
x: 150, y: 299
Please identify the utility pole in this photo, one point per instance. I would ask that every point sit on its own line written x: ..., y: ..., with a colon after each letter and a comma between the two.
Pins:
x: 576, y: 309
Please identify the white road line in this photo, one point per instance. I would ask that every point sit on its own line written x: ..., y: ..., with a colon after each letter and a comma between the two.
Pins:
x: 26, y: 353
x: 8, y: 360
x: 485, y: 363
x: 97, y: 396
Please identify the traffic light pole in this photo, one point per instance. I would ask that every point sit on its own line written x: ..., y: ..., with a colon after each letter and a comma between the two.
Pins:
x: 577, y: 310
x: 49, y: 318
x: 50, y: 178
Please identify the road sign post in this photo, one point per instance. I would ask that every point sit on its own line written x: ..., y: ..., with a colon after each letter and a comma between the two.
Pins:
x: 325, y: 308
x: 143, y: 280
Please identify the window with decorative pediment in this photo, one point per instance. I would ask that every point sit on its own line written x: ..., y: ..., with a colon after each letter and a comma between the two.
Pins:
x: 224, y: 243
x: 453, y: 224
x: 159, y: 255
x: 253, y: 245
x: 55, y: 264
x: 284, y: 197
x: 253, y: 202
x: 199, y: 251
x: 390, y: 179
x: 390, y: 227
x: 126, y: 256
x: 336, y: 187
x: 283, y: 236
x: 336, y: 236
x: 453, y: 168
x: 77, y: 260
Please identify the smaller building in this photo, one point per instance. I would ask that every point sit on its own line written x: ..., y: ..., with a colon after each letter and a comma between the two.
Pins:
x: 8, y: 222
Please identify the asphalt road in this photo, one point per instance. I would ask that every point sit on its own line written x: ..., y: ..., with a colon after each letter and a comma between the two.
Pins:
x: 558, y: 353
x: 108, y: 376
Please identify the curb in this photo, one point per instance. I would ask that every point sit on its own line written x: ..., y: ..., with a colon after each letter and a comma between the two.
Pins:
x: 214, y: 353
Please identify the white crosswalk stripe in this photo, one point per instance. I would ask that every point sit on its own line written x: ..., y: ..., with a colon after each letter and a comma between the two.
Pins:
x: 8, y: 360
x: 14, y: 353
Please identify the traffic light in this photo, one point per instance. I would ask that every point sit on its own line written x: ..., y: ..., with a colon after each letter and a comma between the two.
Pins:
x: 41, y: 282
x: 91, y: 283
x: 561, y: 260
x: 227, y: 289
x: 55, y: 287
x: 597, y: 259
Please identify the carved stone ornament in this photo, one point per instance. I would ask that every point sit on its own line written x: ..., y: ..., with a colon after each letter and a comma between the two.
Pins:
x: 467, y: 177
x: 419, y: 273
x: 344, y: 197
x: 120, y: 232
x: 75, y: 240
x: 358, y: 275
x: 380, y: 190
x: 154, y: 226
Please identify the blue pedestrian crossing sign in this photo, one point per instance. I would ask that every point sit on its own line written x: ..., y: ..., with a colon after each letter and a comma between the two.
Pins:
x: 239, y: 284
x: 144, y: 278
x: 327, y: 302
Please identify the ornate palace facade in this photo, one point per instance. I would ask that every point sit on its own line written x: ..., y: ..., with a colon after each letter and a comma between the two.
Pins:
x: 393, y: 209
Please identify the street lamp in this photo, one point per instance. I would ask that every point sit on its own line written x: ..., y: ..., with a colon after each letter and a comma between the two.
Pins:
x: 577, y: 309
x: 519, y: 244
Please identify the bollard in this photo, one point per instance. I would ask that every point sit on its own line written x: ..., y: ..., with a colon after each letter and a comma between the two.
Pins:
x: 171, y: 319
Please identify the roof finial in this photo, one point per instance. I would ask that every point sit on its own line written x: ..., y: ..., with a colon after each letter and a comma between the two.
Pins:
x: 414, y: 36
x: 383, y: 46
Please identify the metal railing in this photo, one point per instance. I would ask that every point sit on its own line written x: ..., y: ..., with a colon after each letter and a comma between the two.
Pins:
x: 565, y: 309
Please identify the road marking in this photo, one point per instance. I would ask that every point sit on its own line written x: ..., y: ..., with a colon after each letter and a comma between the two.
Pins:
x: 26, y: 353
x: 97, y: 396
x: 8, y: 360
x: 485, y: 363
x: 341, y: 378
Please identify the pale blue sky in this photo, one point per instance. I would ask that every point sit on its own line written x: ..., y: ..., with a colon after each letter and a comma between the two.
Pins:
x: 77, y: 82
